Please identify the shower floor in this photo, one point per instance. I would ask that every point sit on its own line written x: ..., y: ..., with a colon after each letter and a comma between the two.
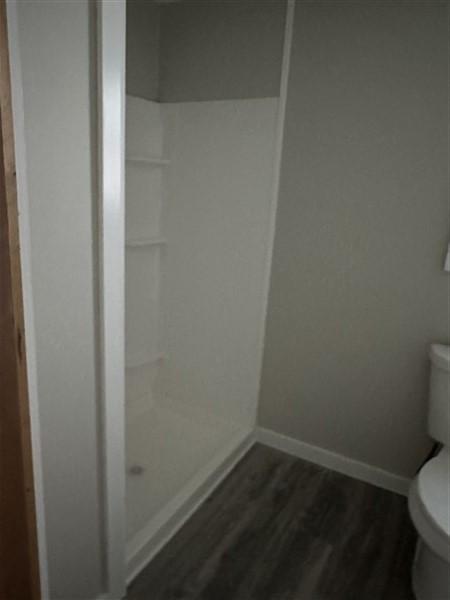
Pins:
x: 166, y: 448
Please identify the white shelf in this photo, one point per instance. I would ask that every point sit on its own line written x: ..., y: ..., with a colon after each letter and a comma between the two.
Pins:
x: 155, y: 161
x: 142, y: 242
x: 139, y: 360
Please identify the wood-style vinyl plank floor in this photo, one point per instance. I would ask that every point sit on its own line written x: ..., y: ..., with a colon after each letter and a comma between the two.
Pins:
x: 280, y: 528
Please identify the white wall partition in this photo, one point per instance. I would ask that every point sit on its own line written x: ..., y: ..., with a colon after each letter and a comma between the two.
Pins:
x: 55, y: 54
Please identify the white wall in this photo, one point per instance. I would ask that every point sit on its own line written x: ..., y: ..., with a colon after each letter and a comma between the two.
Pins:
x: 55, y: 46
x: 215, y: 219
x: 357, y: 290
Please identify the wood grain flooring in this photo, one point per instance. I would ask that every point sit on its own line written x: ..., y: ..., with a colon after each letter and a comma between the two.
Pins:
x: 280, y: 528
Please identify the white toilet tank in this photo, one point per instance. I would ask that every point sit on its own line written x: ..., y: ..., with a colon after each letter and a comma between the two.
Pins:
x: 439, y: 396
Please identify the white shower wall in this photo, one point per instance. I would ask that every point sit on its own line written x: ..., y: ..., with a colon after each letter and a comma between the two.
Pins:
x: 216, y: 218
x: 144, y: 248
x: 194, y: 303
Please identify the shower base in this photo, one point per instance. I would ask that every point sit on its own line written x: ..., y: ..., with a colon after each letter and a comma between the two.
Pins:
x: 173, y: 463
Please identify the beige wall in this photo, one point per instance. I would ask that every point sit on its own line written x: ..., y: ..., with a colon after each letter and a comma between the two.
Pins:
x: 200, y: 50
x: 357, y: 290
x: 55, y: 46
x: 221, y: 50
x: 142, y: 49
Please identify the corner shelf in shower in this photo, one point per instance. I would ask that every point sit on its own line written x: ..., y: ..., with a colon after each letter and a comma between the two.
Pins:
x: 155, y: 161
x: 139, y: 360
x: 142, y: 242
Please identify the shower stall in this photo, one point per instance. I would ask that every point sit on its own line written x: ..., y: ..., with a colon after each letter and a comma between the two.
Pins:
x: 203, y: 124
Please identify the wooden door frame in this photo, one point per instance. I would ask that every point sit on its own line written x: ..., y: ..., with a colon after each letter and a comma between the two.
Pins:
x: 19, y: 557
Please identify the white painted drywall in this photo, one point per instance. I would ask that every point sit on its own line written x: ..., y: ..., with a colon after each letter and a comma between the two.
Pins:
x: 357, y: 291
x: 216, y: 221
x: 54, y: 40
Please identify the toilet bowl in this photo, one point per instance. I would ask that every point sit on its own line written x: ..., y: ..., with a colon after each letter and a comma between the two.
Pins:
x: 429, y: 496
x: 430, y: 512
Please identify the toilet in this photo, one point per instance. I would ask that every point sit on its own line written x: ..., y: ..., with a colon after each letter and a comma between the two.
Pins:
x: 429, y: 495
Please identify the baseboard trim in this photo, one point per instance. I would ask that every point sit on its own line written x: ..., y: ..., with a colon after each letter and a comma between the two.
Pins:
x: 165, y: 524
x: 336, y: 462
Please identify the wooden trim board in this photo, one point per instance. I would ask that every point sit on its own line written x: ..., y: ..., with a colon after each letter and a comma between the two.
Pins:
x: 23, y: 207
x: 19, y: 563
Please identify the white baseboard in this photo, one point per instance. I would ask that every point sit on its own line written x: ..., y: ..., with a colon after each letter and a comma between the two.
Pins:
x: 166, y: 523
x: 335, y: 462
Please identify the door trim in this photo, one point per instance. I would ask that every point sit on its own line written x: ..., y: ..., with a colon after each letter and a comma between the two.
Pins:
x: 111, y: 113
x: 19, y: 570
x: 25, y: 255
